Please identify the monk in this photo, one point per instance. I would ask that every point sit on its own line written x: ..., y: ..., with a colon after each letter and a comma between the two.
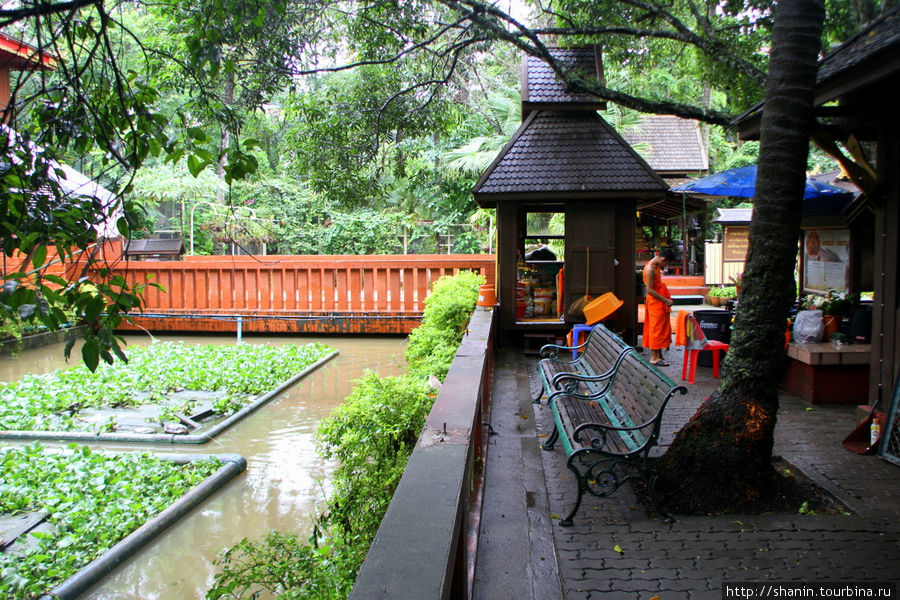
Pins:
x: 657, y: 306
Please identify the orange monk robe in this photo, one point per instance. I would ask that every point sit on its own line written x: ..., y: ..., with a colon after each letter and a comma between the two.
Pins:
x: 657, y: 326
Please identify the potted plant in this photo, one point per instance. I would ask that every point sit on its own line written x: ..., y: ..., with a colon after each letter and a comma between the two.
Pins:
x: 715, y: 296
x: 834, y: 304
x: 737, y: 280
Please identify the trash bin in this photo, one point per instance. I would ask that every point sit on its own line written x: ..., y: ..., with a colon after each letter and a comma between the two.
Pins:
x: 716, y: 325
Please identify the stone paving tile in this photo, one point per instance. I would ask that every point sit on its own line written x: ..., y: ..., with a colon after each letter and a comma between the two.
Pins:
x: 692, y: 556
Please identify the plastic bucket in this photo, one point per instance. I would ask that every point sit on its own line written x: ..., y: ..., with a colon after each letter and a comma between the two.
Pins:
x: 487, y: 296
x: 601, y: 308
x: 716, y: 325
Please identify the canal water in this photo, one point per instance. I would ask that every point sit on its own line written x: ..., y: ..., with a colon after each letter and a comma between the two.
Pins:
x: 285, y: 479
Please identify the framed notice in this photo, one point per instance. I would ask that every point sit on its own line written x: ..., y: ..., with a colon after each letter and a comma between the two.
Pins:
x: 735, y: 244
x: 826, y: 257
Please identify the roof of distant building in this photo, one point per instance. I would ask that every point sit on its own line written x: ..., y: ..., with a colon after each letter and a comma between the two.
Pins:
x: 675, y: 144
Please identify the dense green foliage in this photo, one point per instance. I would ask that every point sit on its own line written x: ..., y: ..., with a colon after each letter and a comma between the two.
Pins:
x: 52, y: 401
x: 128, y: 489
x: 433, y: 343
x: 371, y: 435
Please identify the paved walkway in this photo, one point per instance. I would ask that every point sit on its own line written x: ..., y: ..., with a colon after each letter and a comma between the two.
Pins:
x: 614, y: 550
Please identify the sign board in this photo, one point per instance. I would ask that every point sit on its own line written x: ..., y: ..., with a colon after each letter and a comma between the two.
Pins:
x: 736, y: 243
x: 826, y: 259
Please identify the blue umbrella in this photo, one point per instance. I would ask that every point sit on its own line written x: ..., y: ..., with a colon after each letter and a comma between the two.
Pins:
x: 741, y: 183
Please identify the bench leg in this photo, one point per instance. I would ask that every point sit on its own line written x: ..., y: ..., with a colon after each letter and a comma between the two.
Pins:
x: 551, y: 441
x: 540, y: 394
x: 582, y: 488
x: 596, y: 477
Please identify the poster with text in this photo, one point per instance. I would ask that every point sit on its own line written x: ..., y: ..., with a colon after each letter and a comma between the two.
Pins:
x: 826, y: 257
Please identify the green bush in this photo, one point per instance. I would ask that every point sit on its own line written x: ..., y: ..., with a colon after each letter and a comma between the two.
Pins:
x: 432, y: 345
x: 372, y: 435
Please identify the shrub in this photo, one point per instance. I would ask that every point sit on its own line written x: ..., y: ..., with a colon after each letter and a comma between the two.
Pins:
x: 433, y: 344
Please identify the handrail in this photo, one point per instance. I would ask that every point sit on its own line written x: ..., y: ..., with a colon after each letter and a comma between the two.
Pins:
x: 420, y: 551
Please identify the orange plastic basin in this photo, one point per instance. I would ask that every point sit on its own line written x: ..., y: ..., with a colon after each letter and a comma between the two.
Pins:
x: 601, y: 308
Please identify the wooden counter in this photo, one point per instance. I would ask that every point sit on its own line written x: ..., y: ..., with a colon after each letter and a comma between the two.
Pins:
x: 828, y: 374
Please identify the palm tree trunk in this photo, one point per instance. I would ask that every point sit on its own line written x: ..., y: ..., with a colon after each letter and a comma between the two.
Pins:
x: 721, y: 460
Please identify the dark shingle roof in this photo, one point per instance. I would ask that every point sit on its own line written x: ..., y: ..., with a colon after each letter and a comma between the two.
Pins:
x: 567, y: 152
x: 882, y: 36
x: 540, y: 85
x: 675, y: 144
x: 870, y: 58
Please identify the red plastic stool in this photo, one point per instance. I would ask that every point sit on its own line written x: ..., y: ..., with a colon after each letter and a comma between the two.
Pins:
x: 691, y: 335
x: 691, y: 356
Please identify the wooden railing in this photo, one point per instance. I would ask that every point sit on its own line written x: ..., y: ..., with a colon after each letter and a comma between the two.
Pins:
x: 309, y: 294
x: 324, y: 294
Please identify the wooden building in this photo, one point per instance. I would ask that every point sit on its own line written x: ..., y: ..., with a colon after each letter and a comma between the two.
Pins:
x: 565, y: 159
x: 18, y: 56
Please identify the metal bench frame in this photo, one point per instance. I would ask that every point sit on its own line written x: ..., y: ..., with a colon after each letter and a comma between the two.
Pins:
x: 608, y: 437
x: 587, y: 376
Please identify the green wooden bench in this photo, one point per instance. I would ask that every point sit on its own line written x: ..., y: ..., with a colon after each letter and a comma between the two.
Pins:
x: 586, y: 376
x: 608, y: 438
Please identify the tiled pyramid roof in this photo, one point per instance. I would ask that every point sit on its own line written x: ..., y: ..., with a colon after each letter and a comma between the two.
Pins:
x: 542, y: 89
x: 675, y: 144
x: 572, y: 154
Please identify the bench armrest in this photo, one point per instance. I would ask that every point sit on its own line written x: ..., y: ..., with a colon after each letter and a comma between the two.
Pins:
x: 553, y: 350
x: 571, y: 393
x: 602, y: 377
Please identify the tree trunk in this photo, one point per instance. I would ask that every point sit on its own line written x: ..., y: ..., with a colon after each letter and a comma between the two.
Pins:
x: 721, y: 460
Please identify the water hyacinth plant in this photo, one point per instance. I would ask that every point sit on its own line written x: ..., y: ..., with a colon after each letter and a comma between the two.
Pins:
x: 51, y: 402
x: 129, y: 489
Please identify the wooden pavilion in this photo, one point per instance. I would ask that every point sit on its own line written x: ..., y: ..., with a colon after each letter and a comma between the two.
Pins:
x: 566, y: 159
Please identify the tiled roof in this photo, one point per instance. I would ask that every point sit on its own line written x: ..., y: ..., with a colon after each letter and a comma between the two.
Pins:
x: 882, y: 36
x: 568, y: 152
x: 675, y: 144
x: 733, y: 215
x: 541, y: 85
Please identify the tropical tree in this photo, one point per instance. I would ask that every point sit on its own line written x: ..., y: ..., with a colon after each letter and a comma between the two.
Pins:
x: 722, y: 457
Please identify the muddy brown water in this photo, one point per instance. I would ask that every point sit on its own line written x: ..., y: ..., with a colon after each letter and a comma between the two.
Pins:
x: 285, y: 479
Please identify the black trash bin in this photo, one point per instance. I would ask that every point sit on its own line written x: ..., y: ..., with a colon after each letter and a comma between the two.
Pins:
x: 716, y: 325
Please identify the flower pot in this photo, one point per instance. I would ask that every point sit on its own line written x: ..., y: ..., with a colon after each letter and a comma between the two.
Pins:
x: 715, y: 300
x: 832, y: 325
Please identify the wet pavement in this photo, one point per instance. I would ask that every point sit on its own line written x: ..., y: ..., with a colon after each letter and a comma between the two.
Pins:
x: 615, y: 549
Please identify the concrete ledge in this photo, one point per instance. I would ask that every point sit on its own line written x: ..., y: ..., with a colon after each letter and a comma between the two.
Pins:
x: 167, y: 438
x: 77, y: 584
x: 13, y: 347
x: 420, y: 551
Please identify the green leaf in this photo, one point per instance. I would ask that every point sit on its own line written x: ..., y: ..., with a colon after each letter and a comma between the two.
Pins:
x: 90, y: 354
x: 197, y: 134
x: 123, y: 227
x: 195, y: 165
x: 40, y: 257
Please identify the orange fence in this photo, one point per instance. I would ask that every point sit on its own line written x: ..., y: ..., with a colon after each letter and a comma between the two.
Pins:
x: 305, y: 294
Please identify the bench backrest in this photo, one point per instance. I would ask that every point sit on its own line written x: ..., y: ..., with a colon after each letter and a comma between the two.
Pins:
x: 639, y: 395
x: 602, y: 350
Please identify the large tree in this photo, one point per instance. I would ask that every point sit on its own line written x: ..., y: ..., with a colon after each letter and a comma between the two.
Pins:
x: 722, y: 458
